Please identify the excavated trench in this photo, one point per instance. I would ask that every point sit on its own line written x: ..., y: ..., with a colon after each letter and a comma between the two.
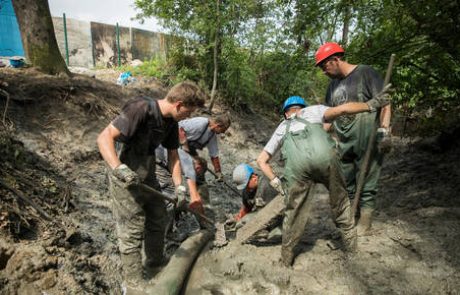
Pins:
x: 49, y: 155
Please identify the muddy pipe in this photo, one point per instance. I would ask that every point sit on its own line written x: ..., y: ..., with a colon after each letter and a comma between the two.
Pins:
x: 171, y: 279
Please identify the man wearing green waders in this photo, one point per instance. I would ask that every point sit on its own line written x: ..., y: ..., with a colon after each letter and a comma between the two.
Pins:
x: 356, y: 83
x: 310, y: 157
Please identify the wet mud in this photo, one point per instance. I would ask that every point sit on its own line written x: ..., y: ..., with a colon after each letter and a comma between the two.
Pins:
x: 49, y: 154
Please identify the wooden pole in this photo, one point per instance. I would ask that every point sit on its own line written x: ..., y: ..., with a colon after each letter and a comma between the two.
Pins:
x: 365, y: 165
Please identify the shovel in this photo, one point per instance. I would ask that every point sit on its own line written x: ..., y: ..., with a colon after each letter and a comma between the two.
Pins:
x: 158, y: 194
x: 228, y: 185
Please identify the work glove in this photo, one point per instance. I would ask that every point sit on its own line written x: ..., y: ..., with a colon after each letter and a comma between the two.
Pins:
x: 383, y: 137
x: 381, y: 99
x: 197, y: 206
x: 219, y: 177
x: 181, y: 196
x: 230, y: 223
x: 127, y: 176
x: 277, y: 185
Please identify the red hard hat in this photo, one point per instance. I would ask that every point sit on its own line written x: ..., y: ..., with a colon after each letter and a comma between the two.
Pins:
x: 326, y: 50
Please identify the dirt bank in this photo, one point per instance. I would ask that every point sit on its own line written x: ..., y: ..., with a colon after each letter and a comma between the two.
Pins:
x: 49, y: 155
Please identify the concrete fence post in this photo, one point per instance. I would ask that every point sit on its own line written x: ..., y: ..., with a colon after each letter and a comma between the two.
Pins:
x: 118, y: 45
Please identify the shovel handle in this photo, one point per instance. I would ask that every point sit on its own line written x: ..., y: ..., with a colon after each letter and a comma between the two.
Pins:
x: 174, y: 201
x: 365, y: 164
x: 228, y: 185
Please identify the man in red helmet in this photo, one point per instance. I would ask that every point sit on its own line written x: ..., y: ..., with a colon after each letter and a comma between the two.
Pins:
x: 355, y: 83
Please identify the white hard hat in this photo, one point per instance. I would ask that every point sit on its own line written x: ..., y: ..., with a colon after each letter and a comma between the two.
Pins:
x: 241, y: 175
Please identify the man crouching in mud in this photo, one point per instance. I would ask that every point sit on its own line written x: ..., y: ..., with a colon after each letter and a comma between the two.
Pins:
x: 128, y: 146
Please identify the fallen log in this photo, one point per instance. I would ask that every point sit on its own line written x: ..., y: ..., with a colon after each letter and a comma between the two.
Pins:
x: 171, y: 279
x: 263, y: 218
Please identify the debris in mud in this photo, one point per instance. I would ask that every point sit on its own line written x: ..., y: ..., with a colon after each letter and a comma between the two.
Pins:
x: 32, y: 192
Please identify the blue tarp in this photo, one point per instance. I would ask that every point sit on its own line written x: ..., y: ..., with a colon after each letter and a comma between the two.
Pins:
x: 10, y: 36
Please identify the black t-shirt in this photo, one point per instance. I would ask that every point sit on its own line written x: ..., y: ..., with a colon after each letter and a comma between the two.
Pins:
x: 361, y: 85
x: 143, y: 129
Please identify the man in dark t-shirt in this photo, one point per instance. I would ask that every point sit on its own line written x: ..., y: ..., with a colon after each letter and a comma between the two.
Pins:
x: 355, y: 83
x: 128, y: 146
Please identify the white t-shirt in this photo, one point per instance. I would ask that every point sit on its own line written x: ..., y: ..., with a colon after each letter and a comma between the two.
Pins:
x: 312, y: 114
x: 194, y: 129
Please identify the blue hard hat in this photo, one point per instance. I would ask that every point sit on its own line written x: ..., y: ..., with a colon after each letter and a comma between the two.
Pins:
x: 294, y: 101
x: 241, y: 175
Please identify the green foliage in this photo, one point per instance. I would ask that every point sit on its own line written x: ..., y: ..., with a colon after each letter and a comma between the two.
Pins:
x: 265, y: 49
x: 237, y: 76
x: 426, y: 42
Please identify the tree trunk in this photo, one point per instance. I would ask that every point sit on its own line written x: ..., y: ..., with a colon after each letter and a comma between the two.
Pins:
x: 346, y: 24
x: 216, y: 45
x: 331, y: 29
x: 38, y: 39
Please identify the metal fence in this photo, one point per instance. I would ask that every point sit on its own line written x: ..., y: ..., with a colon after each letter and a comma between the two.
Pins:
x: 10, y: 36
x: 86, y: 44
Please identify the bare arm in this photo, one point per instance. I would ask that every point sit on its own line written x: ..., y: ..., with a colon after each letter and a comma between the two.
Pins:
x: 345, y: 109
x: 262, y: 161
x: 193, y: 189
x: 385, y: 116
x: 106, y: 144
x: 174, y: 167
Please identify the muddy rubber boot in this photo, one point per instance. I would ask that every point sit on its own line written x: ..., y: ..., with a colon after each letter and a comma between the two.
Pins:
x: 133, y: 282
x: 365, y: 222
x: 287, y: 256
x: 350, y: 240
x: 153, y: 267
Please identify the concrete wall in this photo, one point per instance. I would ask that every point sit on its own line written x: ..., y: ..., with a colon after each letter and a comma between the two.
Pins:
x: 144, y: 43
x: 79, y: 41
x: 94, y: 44
x: 105, y: 44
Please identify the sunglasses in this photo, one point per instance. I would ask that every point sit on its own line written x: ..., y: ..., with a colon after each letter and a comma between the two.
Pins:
x: 323, y: 64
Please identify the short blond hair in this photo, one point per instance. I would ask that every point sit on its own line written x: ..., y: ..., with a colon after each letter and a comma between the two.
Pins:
x: 188, y: 92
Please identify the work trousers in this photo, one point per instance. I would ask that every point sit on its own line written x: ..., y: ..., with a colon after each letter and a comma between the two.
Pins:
x: 140, y: 218
x: 300, y: 186
x: 353, y: 143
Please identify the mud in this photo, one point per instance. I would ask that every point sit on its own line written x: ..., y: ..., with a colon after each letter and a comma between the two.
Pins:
x: 49, y: 153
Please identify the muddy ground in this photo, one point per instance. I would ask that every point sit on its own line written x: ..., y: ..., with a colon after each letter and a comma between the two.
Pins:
x: 49, y: 155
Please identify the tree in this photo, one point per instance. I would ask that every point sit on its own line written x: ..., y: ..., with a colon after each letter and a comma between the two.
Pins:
x: 38, y: 38
x: 205, y: 24
x: 215, y: 56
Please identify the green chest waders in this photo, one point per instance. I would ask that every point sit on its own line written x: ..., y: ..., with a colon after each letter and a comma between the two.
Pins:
x: 310, y: 158
x: 353, y: 142
x: 307, y: 152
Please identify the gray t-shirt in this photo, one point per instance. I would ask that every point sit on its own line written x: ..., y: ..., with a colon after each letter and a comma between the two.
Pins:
x: 197, y: 130
x: 313, y: 114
